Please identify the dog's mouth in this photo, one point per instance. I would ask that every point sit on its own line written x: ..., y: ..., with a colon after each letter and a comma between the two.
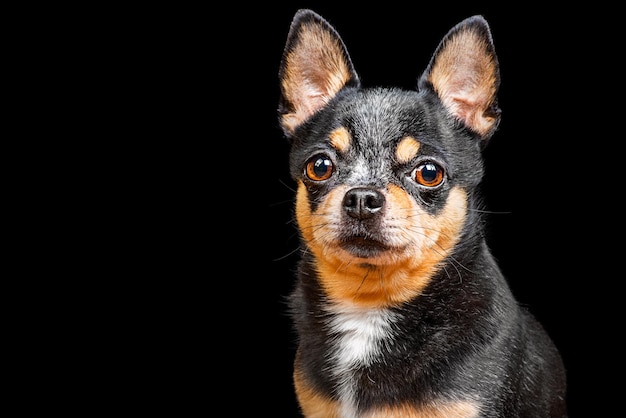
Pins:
x: 363, y: 247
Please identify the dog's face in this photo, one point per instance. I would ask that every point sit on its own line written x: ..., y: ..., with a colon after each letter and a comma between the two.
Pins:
x: 386, y: 177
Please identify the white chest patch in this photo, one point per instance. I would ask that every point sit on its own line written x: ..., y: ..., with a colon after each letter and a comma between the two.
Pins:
x: 360, y: 337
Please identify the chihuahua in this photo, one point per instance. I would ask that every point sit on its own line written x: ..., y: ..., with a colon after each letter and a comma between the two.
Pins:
x: 400, y: 309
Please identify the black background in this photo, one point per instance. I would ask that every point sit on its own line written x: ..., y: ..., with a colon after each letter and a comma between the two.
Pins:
x: 230, y: 198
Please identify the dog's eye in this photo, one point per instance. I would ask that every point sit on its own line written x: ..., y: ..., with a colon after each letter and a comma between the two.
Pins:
x: 428, y: 174
x: 319, y: 168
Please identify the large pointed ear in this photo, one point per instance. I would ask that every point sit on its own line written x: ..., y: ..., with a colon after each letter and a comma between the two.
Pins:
x: 465, y: 74
x: 315, y: 66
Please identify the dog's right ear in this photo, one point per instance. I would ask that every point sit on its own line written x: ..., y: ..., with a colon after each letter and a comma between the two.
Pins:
x: 315, y: 66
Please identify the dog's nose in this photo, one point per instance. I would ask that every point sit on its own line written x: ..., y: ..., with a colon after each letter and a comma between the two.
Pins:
x: 363, y: 202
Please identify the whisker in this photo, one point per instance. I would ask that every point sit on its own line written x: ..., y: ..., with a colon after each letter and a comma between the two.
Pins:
x: 489, y: 212
x: 295, y: 250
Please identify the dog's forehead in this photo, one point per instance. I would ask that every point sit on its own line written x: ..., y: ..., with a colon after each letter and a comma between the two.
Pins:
x: 381, y: 116
x: 378, y: 121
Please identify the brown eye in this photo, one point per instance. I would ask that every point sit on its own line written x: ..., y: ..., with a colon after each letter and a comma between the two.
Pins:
x: 319, y: 168
x: 428, y: 174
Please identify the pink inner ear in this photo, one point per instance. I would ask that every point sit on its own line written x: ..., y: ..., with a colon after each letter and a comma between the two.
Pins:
x: 315, y: 70
x: 464, y: 76
x: 471, y: 110
x: 306, y: 100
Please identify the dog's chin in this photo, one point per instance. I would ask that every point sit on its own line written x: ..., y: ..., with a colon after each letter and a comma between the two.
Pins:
x: 365, y: 248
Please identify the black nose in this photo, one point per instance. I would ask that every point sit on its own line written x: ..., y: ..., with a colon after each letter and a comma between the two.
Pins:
x: 363, y: 202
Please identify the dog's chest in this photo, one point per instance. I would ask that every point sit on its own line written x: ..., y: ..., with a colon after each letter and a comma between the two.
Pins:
x: 359, y: 338
x: 358, y: 334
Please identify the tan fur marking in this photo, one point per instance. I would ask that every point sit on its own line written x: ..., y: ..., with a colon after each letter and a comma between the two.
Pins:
x: 340, y: 138
x: 312, y: 404
x: 444, y: 409
x: 407, y: 149
x: 315, y: 71
x: 464, y: 76
x: 419, y: 240
x: 304, y: 216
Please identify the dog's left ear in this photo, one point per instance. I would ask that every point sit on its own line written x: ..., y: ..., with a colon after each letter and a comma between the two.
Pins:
x: 465, y: 74
x: 314, y: 68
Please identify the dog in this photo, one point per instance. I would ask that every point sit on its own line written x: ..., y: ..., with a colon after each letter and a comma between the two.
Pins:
x: 399, y: 307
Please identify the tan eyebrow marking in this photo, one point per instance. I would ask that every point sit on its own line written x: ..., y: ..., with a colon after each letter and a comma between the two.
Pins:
x: 407, y: 149
x: 340, y: 138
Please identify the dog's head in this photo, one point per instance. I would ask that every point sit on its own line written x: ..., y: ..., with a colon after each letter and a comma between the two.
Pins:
x: 386, y: 177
